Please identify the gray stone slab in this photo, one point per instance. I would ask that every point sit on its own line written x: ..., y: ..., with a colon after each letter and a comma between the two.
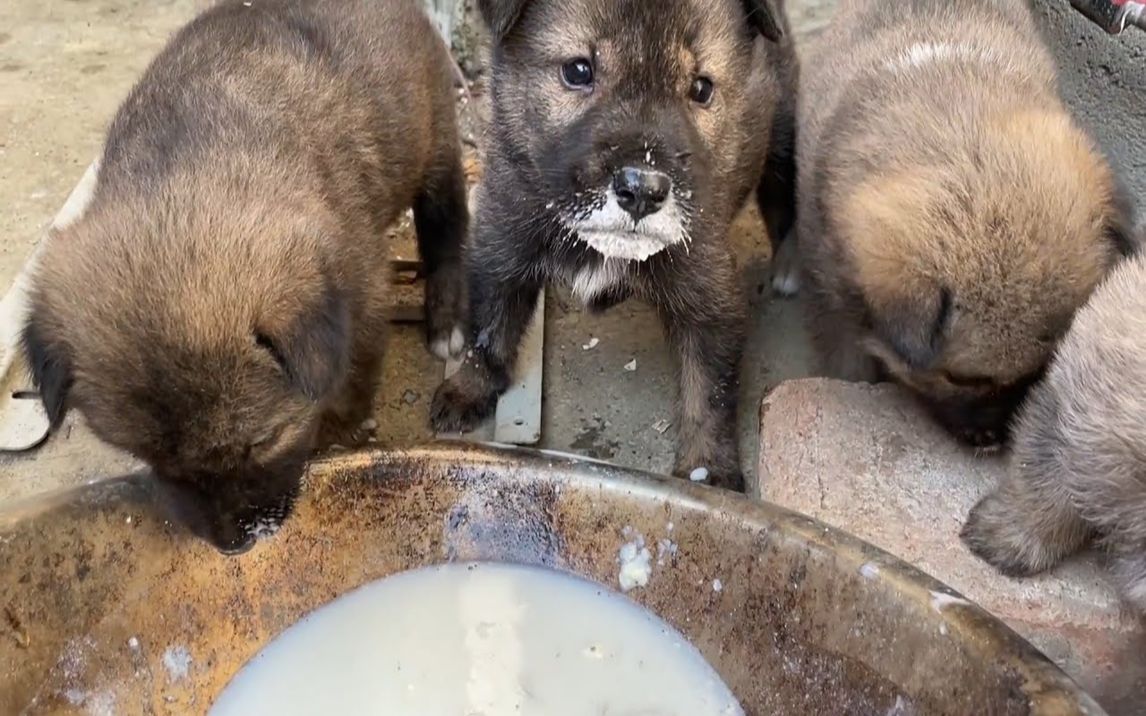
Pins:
x: 866, y: 459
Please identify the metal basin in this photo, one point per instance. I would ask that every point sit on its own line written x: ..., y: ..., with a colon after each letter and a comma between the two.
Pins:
x: 107, y: 608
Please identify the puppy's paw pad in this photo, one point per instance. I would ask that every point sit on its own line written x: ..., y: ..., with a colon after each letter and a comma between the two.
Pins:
x: 457, y: 410
x: 999, y: 540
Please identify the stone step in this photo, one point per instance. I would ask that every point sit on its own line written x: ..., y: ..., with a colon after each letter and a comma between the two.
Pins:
x: 866, y: 459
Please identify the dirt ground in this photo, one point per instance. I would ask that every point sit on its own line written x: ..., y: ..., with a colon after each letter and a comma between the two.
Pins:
x: 64, y: 67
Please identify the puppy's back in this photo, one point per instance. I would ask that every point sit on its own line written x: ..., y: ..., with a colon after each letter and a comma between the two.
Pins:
x: 249, y: 175
x: 265, y: 132
x: 287, y: 79
x: 884, y: 69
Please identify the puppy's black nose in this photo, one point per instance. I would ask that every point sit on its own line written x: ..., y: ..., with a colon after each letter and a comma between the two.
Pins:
x: 232, y: 539
x: 641, y: 191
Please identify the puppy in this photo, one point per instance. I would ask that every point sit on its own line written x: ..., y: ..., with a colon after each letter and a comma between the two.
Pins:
x: 952, y: 216
x: 218, y: 311
x: 1079, y: 461
x: 626, y: 136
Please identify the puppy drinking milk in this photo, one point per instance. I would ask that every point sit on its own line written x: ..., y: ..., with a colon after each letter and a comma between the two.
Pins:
x: 1078, y: 467
x: 218, y: 310
x: 626, y: 135
x: 951, y: 215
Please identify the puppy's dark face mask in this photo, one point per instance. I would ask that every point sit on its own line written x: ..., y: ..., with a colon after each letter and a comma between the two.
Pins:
x: 231, y: 511
x: 623, y: 111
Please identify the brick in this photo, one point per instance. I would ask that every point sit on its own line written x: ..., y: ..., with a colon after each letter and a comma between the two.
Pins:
x: 866, y: 459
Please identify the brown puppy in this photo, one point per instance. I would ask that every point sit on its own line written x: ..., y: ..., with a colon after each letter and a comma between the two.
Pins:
x: 626, y: 136
x: 218, y: 311
x: 1079, y: 461
x: 951, y: 215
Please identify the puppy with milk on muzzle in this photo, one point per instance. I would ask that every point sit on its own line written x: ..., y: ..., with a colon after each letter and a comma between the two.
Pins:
x: 626, y: 135
x: 219, y: 310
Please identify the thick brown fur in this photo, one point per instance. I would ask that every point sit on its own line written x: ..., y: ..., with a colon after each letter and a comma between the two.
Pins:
x: 219, y: 310
x: 555, y: 149
x: 952, y: 216
x: 1078, y: 466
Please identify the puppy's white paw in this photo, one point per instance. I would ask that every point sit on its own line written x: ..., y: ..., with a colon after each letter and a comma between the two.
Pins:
x: 449, y: 346
x: 786, y: 268
x: 786, y: 284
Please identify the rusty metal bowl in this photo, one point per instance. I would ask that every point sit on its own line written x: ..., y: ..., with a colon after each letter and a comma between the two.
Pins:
x: 107, y: 608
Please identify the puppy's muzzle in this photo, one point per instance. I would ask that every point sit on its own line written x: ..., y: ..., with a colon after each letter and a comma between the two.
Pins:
x: 234, y: 513
x: 982, y: 423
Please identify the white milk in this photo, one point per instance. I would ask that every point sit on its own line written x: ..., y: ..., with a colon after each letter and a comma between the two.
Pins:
x: 479, y: 640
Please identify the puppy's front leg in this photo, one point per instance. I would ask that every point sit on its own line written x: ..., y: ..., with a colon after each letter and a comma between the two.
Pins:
x: 501, y: 306
x: 705, y: 325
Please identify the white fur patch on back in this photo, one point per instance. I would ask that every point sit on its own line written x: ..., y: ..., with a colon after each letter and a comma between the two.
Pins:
x: 610, y: 230
x: 595, y: 280
x: 922, y: 54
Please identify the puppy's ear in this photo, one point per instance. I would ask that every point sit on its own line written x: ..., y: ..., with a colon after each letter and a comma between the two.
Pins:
x: 886, y: 222
x: 500, y: 16
x: 764, y: 18
x: 913, y: 327
x: 1121, y: 228
x: 313, y: 349
x: 51, y: 368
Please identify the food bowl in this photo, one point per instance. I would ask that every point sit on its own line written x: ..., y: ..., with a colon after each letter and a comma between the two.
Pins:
x: 108, y: 608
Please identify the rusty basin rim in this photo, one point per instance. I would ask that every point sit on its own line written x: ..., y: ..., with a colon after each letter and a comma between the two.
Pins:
x: 987, y: 636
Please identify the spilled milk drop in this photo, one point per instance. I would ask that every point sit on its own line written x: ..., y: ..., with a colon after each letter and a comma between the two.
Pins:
x: 479, y: 639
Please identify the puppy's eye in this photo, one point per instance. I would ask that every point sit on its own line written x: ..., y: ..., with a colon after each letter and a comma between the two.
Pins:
x: 980, y: 382
x: 577, y: 74
x: 263, y: 341
x: 263, y: 440
x: 701, y: 91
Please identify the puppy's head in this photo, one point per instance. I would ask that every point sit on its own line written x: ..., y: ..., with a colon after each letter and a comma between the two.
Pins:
x: 207, y: 348
x: 623, y: 111
x: 972, y: 268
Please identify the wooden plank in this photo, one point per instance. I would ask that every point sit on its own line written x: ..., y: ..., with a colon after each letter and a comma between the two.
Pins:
x: 407, y: 290
x: 407, y: 296
x: 518, y: 419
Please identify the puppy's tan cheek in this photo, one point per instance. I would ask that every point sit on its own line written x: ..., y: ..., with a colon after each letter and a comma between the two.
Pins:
x: 295, y: 438
x: 924, y: 384
x: 563, y: 106
x: 708, y: 121
x: 891, y: 364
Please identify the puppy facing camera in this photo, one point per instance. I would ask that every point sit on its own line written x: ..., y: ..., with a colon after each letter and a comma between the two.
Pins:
x: 626, y: 135
x: 219, y: 309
